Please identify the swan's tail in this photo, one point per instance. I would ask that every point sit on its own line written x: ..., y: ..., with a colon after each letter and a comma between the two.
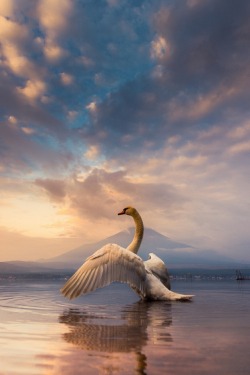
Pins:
x: 184, y: 297
x: 179, y: 297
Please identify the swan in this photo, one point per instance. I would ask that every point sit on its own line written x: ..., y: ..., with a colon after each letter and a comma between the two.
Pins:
x: 149, y: 279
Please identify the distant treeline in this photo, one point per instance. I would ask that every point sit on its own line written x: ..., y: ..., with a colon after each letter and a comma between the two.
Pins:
x: 35, y: 276
x: 187, y: 273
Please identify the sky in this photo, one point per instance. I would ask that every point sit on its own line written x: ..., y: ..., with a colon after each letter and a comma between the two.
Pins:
x: 110, y: 103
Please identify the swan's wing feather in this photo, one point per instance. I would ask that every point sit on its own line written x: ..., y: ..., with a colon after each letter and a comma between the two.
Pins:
x: 110, y: 263
x: 158, y: 269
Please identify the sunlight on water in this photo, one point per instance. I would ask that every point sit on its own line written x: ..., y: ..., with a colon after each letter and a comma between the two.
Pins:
x: 111, y: 332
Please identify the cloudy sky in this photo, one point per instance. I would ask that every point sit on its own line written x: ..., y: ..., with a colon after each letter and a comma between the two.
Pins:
x: 110, y: 103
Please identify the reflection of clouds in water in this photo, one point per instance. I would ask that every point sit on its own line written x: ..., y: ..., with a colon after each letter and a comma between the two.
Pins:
x: 128, y: 332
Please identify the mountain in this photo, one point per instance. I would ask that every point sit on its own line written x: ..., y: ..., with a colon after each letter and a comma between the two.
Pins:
x: 152, y: 241
x: 175, y: 254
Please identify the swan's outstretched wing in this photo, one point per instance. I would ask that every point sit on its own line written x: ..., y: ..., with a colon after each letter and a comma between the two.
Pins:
x: 158, y: 269
x: 110, y: 263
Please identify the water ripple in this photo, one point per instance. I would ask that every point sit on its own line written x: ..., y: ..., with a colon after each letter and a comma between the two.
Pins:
x: 35, y: 298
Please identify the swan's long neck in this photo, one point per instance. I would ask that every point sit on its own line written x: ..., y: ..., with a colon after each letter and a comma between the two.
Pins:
x: 139, y: 229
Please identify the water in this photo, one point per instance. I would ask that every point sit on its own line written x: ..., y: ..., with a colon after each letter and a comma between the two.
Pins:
x: 111, y: 332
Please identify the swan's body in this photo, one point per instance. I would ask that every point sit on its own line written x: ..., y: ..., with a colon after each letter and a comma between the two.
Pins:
x: 112, y: 262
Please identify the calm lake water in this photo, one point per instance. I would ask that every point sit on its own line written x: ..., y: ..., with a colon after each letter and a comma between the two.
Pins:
x: 111, y: 332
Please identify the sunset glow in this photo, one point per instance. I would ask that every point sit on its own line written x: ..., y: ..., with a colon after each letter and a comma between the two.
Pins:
x: 142, y: 103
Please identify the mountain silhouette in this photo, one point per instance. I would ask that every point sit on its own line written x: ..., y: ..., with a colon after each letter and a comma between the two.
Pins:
x: 174, y: 254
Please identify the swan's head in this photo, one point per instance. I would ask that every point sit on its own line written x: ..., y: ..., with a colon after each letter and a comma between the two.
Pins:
x: 131, y: 211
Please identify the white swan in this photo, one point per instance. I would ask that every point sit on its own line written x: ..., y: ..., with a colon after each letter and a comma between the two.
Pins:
x: 112, y: 262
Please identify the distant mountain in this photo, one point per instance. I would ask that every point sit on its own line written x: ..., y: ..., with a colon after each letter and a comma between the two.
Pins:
x: 175, y: 254
x: 152, y: 241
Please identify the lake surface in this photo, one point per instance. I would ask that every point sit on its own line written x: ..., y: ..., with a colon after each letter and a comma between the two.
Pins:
x: 111, y: 332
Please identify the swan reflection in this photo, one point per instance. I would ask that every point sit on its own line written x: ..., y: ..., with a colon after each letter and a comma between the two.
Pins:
x: 125, y: 331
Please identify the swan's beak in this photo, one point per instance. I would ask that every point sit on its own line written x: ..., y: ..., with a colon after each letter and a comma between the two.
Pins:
x: 121, y: 213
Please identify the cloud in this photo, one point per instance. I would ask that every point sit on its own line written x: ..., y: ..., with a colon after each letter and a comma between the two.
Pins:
x: 6, y: 8
x: 92, y: 153
x: 52, y: 16
x: 14, y: 38
x: 108, y: 105
x: 66, y: 79
x: 159, y: 48
x: 100, y: 192
x: 240, y: 147
x: 204, y: 37
x: 54, y: 188
x: 15, y: 41
x: 239, y: 132
x: 54, y: 19
x: 33, y: 89
x: 23, y: 150
x: 199, y: 77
